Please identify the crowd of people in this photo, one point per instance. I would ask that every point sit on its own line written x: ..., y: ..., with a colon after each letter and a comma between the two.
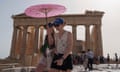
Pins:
x: 80, y: 59
x: 85, y: 58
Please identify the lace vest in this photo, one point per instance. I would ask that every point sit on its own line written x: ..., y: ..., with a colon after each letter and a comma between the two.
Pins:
x: 61, y: 43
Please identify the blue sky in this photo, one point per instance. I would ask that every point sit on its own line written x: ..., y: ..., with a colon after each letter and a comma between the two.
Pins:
x: 110, y: 21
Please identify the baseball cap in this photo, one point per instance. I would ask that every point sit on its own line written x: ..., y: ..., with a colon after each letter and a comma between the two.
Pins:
x: 58, y: 21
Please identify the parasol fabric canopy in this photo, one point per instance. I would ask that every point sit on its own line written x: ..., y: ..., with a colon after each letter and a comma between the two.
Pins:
x: 44, y: 10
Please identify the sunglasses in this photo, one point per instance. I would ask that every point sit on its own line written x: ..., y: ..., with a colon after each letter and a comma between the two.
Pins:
x: 57, y: 25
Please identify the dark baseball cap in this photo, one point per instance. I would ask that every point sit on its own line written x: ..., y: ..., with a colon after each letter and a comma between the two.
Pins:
x: 58, y: 21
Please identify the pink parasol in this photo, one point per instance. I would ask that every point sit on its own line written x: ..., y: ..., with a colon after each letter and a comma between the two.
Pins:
x: 44, y: 10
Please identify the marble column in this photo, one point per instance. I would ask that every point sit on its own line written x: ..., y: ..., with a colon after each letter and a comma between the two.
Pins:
x: 36, y: 39
x: 87, y: 36
x: 18, y: 44
x: 94, y: 39
x: 35, y: 52
x: 74, y: 37
x: 23, y: 46
x: 12, y: 52
x: 29, y: 48
x: 36, y: 49
x: 41, y: 35
x: 99, y: 40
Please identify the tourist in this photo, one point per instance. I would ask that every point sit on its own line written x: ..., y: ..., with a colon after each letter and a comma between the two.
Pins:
x: 62, y: 60
x: 46, y: 51
x: 116, y: 60
x: 108, y: 59
x: 101, y: 58
x: 84, y: 59
x: 90, y: 56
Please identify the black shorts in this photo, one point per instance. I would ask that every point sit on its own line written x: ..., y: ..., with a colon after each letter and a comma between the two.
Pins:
x: 67, y: 63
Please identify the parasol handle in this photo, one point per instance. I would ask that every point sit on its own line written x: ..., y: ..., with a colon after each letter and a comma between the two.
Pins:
x: 46, y: 16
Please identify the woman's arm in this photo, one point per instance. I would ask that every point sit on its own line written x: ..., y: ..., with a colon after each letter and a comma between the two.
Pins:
x: 50, y: 37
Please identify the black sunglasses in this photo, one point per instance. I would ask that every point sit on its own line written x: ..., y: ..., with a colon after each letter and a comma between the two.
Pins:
x: 56, y: 25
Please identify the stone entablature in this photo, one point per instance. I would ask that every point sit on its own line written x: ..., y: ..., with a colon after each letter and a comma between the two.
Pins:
x: 71, y: 19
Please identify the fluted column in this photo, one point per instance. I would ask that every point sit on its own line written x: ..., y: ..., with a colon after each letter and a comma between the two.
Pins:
x: 41, y: 35
x: 87, y: 36
x: 36, y: 55
x: 99, y: 40
x: 18, y: 43
x: 30, y: 47
x: 74, y: 37
x: 94, y: 39
x: 12, y: 52
x: 23, y: 47
x: 28, y: 50
x: 36, y: 38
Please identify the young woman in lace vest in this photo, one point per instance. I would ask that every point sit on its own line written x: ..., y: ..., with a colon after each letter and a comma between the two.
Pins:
x: 62, y: 60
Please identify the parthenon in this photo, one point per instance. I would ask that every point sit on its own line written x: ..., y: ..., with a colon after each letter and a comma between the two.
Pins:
x: 28, y: 35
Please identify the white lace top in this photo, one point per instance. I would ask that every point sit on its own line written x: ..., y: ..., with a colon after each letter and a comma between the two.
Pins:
x: 61, y: 43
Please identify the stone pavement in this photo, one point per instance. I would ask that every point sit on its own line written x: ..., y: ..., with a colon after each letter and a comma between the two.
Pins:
x: 76, y: 68
x: 98, y: 68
